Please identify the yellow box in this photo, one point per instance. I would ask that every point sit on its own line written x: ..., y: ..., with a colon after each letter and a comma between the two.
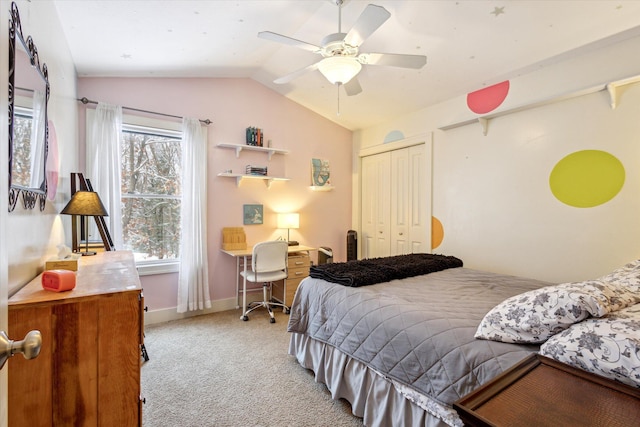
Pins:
x: 233, y: 238
x: 61, y: 264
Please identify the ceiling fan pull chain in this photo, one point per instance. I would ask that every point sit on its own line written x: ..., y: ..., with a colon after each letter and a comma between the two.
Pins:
x: 338, y: 112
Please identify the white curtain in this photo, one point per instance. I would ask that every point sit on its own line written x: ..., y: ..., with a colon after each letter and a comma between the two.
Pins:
x: 103, y: 165
x: 38, y: 126
x: 193, y: 281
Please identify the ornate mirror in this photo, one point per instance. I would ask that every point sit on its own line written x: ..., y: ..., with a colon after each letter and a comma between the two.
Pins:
x: 28, y: 129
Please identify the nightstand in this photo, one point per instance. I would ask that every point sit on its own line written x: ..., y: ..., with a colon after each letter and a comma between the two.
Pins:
x: 540, y: 391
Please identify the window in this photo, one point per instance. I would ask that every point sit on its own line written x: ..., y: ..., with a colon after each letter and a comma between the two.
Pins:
x: 151, y: 193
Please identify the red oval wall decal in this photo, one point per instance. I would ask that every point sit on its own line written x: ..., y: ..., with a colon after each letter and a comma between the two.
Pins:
x: 488, y: 99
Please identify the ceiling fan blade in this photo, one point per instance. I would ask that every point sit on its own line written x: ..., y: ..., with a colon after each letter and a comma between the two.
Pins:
x: 287, y: 78
x: 393, y: 60
x: 268, y: 35
x: 352, y: 87
x: 369, y: 21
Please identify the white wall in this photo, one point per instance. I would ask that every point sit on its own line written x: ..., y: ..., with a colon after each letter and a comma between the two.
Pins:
x: 492, y: 194
x: 33, y: 234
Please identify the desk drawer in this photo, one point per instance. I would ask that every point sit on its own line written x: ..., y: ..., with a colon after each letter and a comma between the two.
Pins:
x: 298, y: 261
x: 298, y: 273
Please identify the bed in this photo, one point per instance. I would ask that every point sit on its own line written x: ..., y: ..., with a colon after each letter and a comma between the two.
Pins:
x: 401, y: 351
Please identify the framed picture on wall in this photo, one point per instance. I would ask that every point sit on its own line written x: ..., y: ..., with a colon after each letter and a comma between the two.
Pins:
x: 252, y: 214
x: 320, y: 172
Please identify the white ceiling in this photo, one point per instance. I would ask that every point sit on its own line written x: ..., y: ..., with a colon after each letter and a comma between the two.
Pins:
x: 468, y: 44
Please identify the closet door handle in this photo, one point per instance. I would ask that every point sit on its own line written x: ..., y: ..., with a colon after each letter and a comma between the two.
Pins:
x: 29, y: 346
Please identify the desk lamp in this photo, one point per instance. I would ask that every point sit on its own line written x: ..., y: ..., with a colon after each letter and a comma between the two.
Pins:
x: 289, y: 221
x: 85, y: 203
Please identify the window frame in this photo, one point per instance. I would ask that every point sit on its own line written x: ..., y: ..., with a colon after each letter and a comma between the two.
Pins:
x: 156, y: 127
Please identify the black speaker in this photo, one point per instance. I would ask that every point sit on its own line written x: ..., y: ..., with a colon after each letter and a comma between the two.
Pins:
x: 352, y: 245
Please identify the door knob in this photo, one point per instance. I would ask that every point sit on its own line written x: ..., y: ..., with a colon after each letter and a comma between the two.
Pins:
x: 29, y: 346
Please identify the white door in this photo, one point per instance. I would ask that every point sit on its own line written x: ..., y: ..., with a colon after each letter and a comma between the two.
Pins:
x: 375, y: 206
x: 410, y: 200
x: 419, y: 227
x: 396, y: 202
x: 400, y: 199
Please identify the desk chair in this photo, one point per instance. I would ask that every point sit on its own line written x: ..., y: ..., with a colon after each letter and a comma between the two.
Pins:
x: 268, y: 264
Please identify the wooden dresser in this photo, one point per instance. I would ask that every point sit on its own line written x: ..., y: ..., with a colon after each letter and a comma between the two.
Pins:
x: 298, y: 265
x: 543, y: 392
x: 88, y: 370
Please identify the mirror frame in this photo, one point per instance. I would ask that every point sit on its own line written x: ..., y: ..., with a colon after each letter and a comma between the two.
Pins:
x: 30, y: 196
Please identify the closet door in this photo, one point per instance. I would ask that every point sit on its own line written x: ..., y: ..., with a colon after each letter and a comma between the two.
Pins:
x: 375, y: 206
x: 419, y: 222
x: 400, y: 197
x: 409, y: 191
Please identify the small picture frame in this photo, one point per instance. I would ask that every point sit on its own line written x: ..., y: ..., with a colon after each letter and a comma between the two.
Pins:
x: 320, y: 173
x: 252, y: 214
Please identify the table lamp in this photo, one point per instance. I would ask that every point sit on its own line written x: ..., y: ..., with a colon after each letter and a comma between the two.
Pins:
x: 289, y: 221
x: 85, y: 203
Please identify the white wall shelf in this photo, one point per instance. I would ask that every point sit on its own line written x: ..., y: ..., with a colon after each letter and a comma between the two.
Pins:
x: 614, y: 89
x: 239, y: 147
x: 239, y: 177
x: 321, y: 187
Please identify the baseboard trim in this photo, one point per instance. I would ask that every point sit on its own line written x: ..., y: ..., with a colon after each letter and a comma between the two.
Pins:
x: 169, y: 314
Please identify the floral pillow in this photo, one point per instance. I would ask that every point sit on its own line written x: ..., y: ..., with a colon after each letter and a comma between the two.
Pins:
x: 534, y: 316
x: 609, y: 346
x: 623, y: 285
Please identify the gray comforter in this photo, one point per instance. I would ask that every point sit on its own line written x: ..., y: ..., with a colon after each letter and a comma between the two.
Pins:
x: 418, y: 331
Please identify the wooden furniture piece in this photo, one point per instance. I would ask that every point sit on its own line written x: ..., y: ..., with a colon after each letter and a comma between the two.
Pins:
x: 88, y: 370
x: 543, y: 392
x: 243, y: 257
x: 298, y: 268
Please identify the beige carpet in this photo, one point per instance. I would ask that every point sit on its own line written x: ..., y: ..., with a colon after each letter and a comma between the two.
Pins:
x: 216, y: 370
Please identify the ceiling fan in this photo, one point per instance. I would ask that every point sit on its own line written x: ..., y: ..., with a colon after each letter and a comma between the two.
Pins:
x: 342, y: 60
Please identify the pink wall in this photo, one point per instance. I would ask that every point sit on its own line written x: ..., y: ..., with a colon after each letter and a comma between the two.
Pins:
x: 233, y: 105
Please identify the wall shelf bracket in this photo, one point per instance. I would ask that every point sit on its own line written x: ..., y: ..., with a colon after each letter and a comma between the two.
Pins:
x: 484, y: 122
x: 615, y: 89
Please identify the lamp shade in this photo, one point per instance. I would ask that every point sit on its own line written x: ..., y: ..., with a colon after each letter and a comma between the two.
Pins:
x: 85, y: 203
x: 339, y: 69
x: 288, y: 220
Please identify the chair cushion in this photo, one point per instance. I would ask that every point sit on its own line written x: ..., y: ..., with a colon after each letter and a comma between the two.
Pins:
x: 269, y: 276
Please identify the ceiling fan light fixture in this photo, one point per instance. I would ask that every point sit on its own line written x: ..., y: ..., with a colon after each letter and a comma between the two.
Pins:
x: 339, y: 69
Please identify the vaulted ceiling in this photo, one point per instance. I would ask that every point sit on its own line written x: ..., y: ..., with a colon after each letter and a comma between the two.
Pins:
x: 468, y: 44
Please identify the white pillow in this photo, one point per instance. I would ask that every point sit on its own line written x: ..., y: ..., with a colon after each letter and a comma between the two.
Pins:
x: 609, y: 346
x: 534, y: 316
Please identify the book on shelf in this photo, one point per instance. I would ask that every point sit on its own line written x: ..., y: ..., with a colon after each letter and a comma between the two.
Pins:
x: 254, y: 136
x: 256, y: 170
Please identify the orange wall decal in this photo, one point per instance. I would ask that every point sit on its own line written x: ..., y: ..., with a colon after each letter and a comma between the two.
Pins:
x: 437, y: 232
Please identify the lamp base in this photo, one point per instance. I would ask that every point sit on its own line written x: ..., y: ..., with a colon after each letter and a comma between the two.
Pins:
x: 86, y: 253
x: 292, y: 243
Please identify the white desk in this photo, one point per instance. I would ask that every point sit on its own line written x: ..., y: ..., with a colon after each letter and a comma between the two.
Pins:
x: 245, y: 255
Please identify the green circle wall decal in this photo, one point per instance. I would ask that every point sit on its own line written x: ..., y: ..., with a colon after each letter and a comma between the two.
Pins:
x: 587, y: 178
